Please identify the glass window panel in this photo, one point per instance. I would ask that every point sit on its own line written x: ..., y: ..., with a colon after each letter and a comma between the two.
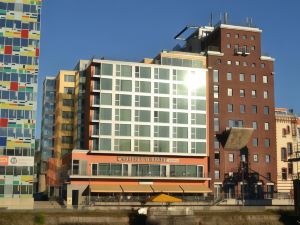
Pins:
x: 142, y: 145
x: 143, y: 115
x: 182, y: 132
x: 125, y: 100
x: 105, y: 114
x: 161, y: 131
x: 126, y: 85
x: 106, y: 84
x: 145, y: 86
x: 145, y: 101
x: 164, y: 74
x: 163, y: 117
x: 142, y: 130
x: 182, y: 103
x: 126, y: 71
x: 164, y: 88
x: 124, y: 129
x: 182, y: 118
x: 105, y: 144
x: 105, y: 129
x: 106, y: 69
x: 105, y: 99
x: 125, y: 114
x: 182, y: 146
x: 161, y: 146
x: 124, y: 145
x: 145, y: 72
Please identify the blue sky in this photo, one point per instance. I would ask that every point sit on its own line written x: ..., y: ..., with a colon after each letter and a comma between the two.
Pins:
x: 134, y: 29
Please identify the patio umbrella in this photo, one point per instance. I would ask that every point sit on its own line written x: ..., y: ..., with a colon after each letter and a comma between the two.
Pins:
x: 163, y: 198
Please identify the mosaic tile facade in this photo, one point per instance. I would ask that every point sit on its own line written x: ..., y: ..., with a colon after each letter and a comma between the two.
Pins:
x: 19, y: 54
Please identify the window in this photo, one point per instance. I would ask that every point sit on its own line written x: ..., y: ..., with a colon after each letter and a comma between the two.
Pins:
x: 284, y: 173
x: 253, y: 78
x: 69, y: 78
x: 161, y: 131
x: 252, y: 37
x: 244, y: 37
x: 105, y: 129
x: 216, y: 76
x: 253, y: 65
x: 229, y: 107
x: 228, y: 35
x: 105, y: 99
x: 105, y: 114
x: 143, y: 86
x: 161, y: 117
x: 254, y: 125
x: 242, y: 93
x: 265, y: 79
x: 142, y: 130
x: 229, y: 92
x: 123, y: 130
x: 181, y: 118
x: 105, y: 144
x: 255, y: 158
x: 283, y: 154
x: 123, y: 100
x: 255, y: 142
x: 161, y: 88
x: 228, y: 46
x: 216, y: 91
x: 67, y: 127
x: 142, y: 145
x: 231, y: 157
x: 235, y: 123
x: 217, y: 174
x: 75, y: 167
x: 124, y: 71
x: 254, y: 109
x: 290, y: 168
x: 161, y: 102
x: 262, y: 65
x: 182, y: 132
x: 66, y: 140
x: 268, y: 158
x: 267, y: 142
x: 237, y: 63
x: 123, y: 114
x: 242, y: 108
x: 252, y: 47
x: 253, y: 93
x: 122, y: 145
x: 106, y: 84
x: 265, y: 94
x: 290, y: 148
x: 68, y: 102
x: 216, y: 107
x: 123, y: 85
x: 142, y: 101
x: 242, y: 77
x: 266, y: 110
x: 236, y: 35
x: 161, y: 146
x: 69, y: 90
x: 228, y: 62
x: 229, y: 76
x: 216, y: 124
x: 266, y: 126
x: 163, y: 74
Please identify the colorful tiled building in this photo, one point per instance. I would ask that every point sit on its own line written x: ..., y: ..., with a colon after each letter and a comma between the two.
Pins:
x: 19, y: 54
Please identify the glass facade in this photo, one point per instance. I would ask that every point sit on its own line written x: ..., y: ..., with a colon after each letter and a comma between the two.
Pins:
x: 19, y: 54
x: 153, y: 108
x: 48, y: 121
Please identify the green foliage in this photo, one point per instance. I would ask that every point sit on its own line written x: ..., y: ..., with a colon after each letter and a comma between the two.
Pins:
x: 39, y: 218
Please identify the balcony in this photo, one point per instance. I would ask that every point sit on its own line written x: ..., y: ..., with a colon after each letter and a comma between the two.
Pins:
x: 244, y: 51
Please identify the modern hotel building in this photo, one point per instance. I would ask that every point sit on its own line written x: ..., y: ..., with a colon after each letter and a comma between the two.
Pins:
x: 19, y: 54
x: 145, y: 130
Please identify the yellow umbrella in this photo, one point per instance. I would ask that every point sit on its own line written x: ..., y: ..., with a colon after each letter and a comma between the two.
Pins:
x: 163, y: 198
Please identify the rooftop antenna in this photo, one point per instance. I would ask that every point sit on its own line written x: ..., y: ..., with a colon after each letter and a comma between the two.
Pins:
x: 251, y: 22
x: 225, y: 18
x: 211, y: 20
x: 247, y: 21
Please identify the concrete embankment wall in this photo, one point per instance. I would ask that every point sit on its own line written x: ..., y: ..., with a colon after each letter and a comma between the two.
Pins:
x: 154, y: 217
